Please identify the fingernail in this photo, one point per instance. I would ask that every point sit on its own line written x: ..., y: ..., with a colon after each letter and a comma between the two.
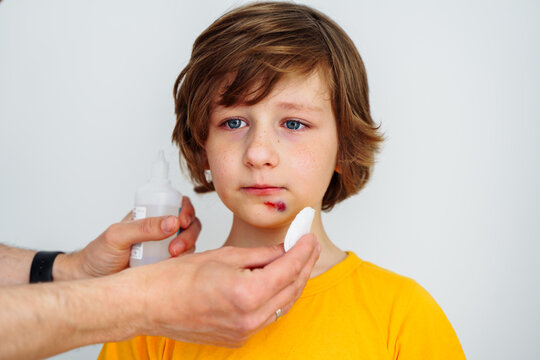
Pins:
x: 168, y: 224
x: 319, y: 248
x: 178, y: 248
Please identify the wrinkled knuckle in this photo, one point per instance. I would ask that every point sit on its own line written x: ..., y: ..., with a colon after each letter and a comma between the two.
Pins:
x: 246, y: 325
x: 145, y: 226
x: 245, y: 299
x: 240, y: 295
x: 250, y: 304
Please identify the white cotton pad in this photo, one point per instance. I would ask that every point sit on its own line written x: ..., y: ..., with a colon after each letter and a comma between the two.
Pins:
x: 300, y: 226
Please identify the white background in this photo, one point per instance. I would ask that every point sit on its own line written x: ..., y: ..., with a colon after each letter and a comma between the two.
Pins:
x: 86, y: 102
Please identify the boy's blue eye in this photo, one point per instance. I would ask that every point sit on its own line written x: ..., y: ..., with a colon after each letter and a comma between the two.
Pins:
x: 235, y: 123
x: 293, y: 124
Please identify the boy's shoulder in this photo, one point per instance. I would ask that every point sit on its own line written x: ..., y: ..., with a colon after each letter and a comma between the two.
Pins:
x: 382, y: 285
x: 378, y: 276
x: 354, y: 275
x: 397, y: 291
x: 391, y: 298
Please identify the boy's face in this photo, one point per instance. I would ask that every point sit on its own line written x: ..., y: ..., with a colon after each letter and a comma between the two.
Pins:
x: 270, y: 160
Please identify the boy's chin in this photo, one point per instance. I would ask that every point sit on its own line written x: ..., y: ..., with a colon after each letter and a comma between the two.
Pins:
x: 267, y: 221
x: 271, y: 226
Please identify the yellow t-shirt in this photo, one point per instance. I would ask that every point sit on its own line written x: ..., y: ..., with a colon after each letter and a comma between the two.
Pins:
x: 355, y: 310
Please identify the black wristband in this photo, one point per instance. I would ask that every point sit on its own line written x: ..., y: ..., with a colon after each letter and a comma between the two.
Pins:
x: 41, y: 270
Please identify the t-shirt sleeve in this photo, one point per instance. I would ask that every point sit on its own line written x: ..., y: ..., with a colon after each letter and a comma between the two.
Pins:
x: 425, y: 332
x: 138, y: 348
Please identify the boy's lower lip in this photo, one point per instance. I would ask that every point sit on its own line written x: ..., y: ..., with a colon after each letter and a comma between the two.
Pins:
x: 267, y: 190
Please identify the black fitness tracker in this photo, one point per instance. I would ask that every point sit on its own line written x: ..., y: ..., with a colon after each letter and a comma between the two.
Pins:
x: 41, y: 270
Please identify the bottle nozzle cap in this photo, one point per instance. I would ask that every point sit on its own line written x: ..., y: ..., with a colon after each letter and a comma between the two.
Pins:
x: 160, y: 168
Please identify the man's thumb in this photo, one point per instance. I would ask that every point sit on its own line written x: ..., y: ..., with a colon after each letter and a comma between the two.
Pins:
x: 148, y: 229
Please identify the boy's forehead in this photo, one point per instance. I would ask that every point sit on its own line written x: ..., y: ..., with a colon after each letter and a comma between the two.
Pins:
x: 302, y: 91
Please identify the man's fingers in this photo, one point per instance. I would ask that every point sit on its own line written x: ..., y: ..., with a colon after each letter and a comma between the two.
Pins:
x: 273, y: 317
x: 250, y: 258
x: 130, y: 232
x: 186, y: 240
x: 285, y: 299
x: 187, y: 213
x: 287, y: 269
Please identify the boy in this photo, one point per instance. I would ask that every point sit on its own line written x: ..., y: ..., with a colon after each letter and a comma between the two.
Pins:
x: 274, y: 103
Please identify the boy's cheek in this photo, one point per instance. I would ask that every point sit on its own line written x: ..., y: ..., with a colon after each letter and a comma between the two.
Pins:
x: 312, y: 166
x: 219, y: 158
x: 305, y: 159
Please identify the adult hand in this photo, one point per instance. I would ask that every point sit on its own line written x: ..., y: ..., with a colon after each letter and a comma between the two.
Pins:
x: 223, y: 296
x: 218, y: 297
x: 109, y: 253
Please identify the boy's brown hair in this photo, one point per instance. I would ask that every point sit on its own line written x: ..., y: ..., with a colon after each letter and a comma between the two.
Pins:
x: 255, y: 45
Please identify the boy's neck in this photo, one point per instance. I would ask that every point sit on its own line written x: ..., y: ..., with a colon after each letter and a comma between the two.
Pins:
x: 243, y: 234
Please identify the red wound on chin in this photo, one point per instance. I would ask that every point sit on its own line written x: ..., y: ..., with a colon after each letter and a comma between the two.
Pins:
x: 279, y: 206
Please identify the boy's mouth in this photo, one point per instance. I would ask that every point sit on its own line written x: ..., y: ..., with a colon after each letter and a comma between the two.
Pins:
x: 262, y: 190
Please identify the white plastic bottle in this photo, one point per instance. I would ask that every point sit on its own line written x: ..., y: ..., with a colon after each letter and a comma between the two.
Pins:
x: 155, y: 198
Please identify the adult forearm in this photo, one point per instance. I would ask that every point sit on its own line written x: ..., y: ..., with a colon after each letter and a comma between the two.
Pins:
x: 41, y: 320
x: 14, y: 265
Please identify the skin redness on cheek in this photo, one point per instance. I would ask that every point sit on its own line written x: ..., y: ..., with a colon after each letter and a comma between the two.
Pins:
x: 278, y: 205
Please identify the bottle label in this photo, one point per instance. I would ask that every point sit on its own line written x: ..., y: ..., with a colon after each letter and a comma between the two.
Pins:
x: 139, y: 212
x: 137, y: 251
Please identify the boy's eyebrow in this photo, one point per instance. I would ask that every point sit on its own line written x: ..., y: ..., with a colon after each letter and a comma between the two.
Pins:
x: 295, y: 106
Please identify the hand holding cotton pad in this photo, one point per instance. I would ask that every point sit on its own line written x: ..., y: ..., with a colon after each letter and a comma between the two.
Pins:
x: 300, y: 226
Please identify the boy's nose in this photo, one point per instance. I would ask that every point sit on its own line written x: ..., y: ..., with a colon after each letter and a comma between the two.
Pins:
x: 261, y: 153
